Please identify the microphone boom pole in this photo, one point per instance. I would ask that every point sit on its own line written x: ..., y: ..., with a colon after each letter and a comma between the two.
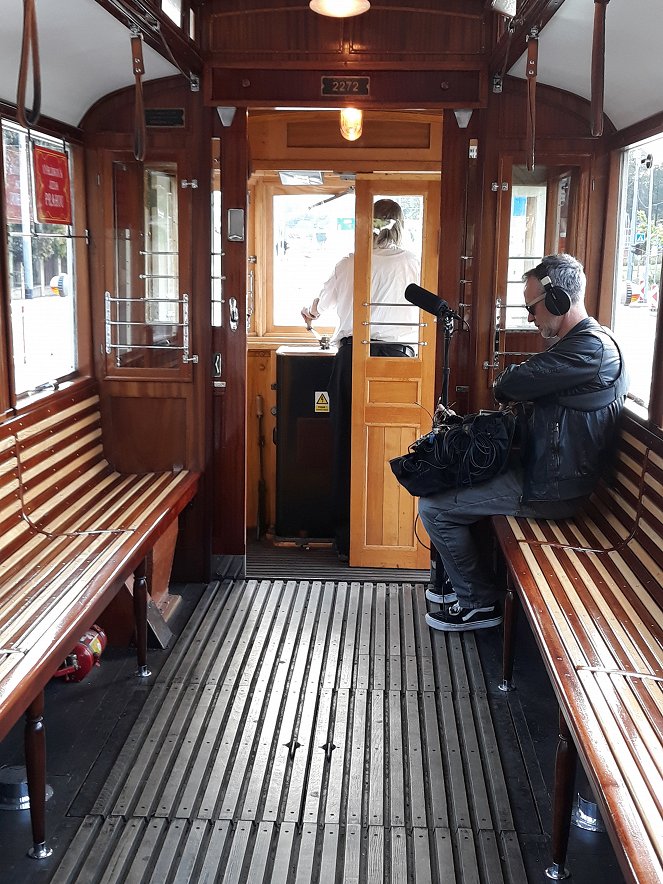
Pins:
x: 430, y: 303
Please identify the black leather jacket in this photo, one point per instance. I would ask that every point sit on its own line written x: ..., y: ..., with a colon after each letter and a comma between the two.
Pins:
x: 575, y: 391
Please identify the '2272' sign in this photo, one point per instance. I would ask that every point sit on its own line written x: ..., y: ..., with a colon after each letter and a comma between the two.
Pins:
x: 345, y: 85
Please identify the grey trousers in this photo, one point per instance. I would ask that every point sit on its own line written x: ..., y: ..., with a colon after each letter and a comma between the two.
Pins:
x: 447, y: 518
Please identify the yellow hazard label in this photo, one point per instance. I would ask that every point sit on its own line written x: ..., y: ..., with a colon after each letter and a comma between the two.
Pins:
x: 322, y: 400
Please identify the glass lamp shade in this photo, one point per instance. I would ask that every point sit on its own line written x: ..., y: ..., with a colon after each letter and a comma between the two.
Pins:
x: 340, y: 8
x: 351, y: 123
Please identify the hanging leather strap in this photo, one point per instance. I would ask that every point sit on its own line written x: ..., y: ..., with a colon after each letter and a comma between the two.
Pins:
x: 139, y: 108
x: 532, y: 61
x: 598, y: 66
x: 29, y: 49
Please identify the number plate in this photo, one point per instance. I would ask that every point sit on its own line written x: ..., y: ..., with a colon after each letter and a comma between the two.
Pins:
x: 345, y: 85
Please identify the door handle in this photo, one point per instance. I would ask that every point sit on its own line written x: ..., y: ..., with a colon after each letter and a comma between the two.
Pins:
x: 234, y: 314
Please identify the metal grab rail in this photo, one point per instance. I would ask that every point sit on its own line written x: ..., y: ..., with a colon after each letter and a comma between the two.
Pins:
x: 110, y: 324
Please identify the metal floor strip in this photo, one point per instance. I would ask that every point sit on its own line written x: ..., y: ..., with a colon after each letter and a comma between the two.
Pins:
x: 311, y: 732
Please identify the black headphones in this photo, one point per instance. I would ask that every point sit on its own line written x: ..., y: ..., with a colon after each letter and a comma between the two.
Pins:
x: 558, y: 301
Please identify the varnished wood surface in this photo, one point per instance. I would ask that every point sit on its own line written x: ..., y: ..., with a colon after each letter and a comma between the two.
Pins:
x: 73, y: 530
x: 598, y: 619
x: 429, y: 30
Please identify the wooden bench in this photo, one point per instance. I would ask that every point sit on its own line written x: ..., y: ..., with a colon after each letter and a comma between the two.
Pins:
x: 72, y: 531
x: 591, y: 588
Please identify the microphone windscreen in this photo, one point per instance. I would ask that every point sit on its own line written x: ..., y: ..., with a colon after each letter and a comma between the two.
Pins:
x: 425, y: 300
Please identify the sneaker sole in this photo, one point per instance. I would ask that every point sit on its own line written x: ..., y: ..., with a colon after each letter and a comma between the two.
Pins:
x: 462, y: 627
x: 447, y: 599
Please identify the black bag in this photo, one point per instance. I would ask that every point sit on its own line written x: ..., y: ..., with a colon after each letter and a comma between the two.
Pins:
x: 458, y: 451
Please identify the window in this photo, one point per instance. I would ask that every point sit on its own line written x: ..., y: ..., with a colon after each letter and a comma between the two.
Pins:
x: 173, y: 9
x: 40, y: 257
x: 311, y: 233
x: 639, y: 255
x: 147, y: 313
x: 526, y: 237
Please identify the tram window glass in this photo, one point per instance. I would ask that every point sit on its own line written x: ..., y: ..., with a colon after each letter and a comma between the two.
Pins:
x: 311, y: 233
x: 527, y: 236
x: 147, y: 317
x: 639, y: 258
x: 40, y: 259
x: 217, y: 256
x: 173, y: 9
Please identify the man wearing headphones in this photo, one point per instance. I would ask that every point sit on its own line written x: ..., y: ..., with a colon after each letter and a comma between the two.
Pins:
x: 572, y: 395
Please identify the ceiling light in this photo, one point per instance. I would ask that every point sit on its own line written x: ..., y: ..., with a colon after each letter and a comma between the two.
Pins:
x: 340, y: 8
x: 351, y: 123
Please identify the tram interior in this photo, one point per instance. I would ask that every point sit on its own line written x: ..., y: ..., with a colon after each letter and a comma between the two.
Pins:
x: 301, y: 723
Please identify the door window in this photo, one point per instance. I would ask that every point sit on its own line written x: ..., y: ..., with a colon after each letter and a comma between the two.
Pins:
x: 398, y: 320
x: 147, y: 314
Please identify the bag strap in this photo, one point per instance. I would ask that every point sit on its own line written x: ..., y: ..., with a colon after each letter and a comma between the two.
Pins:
x: 597, y: 399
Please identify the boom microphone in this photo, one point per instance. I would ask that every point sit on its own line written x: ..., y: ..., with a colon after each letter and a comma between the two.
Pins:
x: 427, y: 301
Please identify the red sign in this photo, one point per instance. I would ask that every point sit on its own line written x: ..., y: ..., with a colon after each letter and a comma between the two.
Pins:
x: 52, y: 186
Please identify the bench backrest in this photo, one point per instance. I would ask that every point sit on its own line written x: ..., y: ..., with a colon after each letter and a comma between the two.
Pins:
x: 49, y: 460
x: 606, y: 609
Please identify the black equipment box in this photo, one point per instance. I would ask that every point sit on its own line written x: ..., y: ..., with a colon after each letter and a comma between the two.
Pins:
x: 304, y: 443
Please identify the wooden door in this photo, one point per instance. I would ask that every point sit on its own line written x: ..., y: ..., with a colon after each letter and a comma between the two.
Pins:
x: 392, y: 398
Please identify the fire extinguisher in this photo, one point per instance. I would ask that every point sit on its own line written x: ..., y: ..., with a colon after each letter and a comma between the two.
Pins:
x: 84, y: 656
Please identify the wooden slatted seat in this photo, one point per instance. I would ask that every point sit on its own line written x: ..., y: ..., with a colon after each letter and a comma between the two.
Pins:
x: 592, y: 589
x: 72, y: 531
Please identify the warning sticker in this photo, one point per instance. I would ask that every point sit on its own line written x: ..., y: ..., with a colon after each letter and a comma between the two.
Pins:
x: 322, y: 400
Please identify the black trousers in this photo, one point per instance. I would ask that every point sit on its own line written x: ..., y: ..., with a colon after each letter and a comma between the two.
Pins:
x: 340, y: 391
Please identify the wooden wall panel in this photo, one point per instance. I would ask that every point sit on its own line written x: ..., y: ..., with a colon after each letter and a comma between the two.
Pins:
x: 427, y: 87
x: 287, y: 30
x: 415, y: 32
x: 146, y: 434
x: 261, y: 375
x: 312, y: 140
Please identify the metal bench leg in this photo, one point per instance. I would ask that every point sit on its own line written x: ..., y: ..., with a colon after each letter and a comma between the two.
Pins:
x: 35, y: 765
x: 140, y: 616
x: 565, y: 770
x: 510, y: 620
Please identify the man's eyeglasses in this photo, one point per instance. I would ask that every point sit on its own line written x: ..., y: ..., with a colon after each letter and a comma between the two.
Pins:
x: 531, y: 307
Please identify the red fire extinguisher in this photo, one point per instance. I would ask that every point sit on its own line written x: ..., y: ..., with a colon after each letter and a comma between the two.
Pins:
x: 84, y: 656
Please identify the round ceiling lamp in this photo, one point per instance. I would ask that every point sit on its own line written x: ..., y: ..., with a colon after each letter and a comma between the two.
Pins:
x: 340, y: 8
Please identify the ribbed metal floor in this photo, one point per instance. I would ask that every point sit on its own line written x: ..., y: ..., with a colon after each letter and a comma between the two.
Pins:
x: 307, y: 732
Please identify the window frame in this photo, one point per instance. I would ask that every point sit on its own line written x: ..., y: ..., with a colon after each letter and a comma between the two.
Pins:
x: 263, y: 191
x: 10, y: 400
x: 653, y: 411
